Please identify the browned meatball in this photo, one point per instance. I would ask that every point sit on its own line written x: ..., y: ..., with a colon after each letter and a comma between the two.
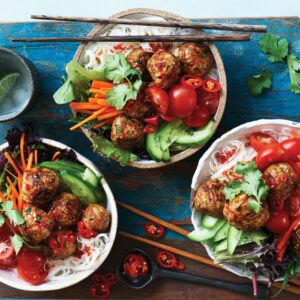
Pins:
x: 209, y: 198
x: 138, y: 59
x: 196, y: 59
x: 38, y: 224
x: 66, y: 210
x: 97, y: 218
x: 127, y: 132
x: 282, y: 180
x: 39, y: 185
x: 239, y: 215
x: 164, y: 68
x: 296, y: 241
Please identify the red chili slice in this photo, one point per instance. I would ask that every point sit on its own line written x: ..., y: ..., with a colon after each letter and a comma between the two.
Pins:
x: 135, y: 265
x: 154, y: 230
x: 166, y: 259
x: 192, y: 82
x: 100, y: 291
x: 152, y: 120
x: 85, y: 232
x: 149, y: 128
x: 109, y: 279
x: 211, y: 85
x: 180, y: 266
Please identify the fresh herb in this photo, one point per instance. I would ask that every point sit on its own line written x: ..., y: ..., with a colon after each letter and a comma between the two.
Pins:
x: 13, y: 214
x: 294, y: 70
x: 257, y: 83
x: 7, y: 83
x: 65, y: 93
x: 17, y: 241
x: 276, y: 48
x: 252, y: 185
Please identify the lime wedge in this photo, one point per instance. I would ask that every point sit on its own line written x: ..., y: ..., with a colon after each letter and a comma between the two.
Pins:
x: 7, y: 83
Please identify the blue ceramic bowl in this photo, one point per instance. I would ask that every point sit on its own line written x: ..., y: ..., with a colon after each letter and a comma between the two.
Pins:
x: 21, y: 95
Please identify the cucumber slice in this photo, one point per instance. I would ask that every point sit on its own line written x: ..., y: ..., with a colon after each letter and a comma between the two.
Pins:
x: 256, y: 236
x: 166, y: 155
x: 234, y: 236
x: 222, y: 233
x: 203, y: 234
x: 89, y: 176
x: 59, y: 166
x: 153, y: 147
x: 208, y: 221
x: 191, y: 138
x: 169, y: 132
x: 70, y: 164
x: 222, y: 246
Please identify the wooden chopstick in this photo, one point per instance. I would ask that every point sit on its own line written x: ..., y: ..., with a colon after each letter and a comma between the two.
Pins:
x: 169, y: 23
x: 144, y: 38
x: 291, y: 287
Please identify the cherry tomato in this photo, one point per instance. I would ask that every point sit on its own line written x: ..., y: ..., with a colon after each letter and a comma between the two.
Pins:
x: 292, y: 148
x: 182, y: 101
x: 192, y: 82
x: 260, y: 139
x: 210, y: 100
x: 211, y: 85
x: 6, y: 249
x: 269, y: 154
x: 278, y: 221
x: 168, y: 117
x: 198, y: 118
x: 32, y: 266
x: 159, y: 98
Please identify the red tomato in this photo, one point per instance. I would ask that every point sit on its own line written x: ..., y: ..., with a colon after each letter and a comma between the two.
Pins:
x: 159, y: 98
x: 7, y: 254
x: 32, y: 266
x: 182, y: 101
x: 210, y: 100
x: 198, y: 118
x: 292, y: 148
x: 260, y: 139
x: 269, y: 154
x: 168, y: 117
x: 278, y: 222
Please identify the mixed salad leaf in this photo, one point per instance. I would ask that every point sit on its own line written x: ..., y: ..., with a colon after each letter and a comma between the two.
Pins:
x: 294, y: 71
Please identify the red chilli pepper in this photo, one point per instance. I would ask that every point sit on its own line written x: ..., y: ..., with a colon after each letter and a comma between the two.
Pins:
x: 149, y: 128
x: 180, y: 266
x: 191, y: 81
x: 211, y: 85
x: 58, y: 239
x: 85, y: 232
x: 100, y: 291
x: 152, y: 120
x: 154, y: 230
x: 166, y: 259
x: 135, y: 265
x: 109, y: 279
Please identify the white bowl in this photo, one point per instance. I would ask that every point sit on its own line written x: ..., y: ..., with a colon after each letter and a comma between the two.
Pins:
x: 10, y: 277
x: 202, y: 172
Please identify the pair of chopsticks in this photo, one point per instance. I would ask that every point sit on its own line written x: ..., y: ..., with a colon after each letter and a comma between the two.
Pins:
x: 293, y: 287
x: 151, y: 38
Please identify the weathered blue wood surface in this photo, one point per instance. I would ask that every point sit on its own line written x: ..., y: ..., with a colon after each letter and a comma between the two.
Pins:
x: 162, y: 192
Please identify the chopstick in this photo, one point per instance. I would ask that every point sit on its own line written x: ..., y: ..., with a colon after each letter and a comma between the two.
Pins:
x: 144, y: 38
x: 291, y: 287
x: 169, y: 23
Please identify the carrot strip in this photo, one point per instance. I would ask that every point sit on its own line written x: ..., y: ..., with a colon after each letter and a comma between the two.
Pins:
x: 85, y: 111
x: 11, y: 161
x: 2, y: 197
x: 91, y: 117
x: 102, y: 123
x: 20, y: 202
x: 22, y: 153
x: 93, y: 100
x: 100, y: 96
x: 108, y: 110
x: 8, y: 193
x: 14, y: 193
x: 36, y: 157
x: 30, y: 162
x: 84, y: 105
x: 55, y: 155
x: 97, y: 84
x: 100, y: 91
x: 20, y: 184
x: 10, y: 173
x: 110, y: 115
x: 98, y: 101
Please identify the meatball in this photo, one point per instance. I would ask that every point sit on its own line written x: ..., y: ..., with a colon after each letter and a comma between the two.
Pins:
x: 39, y: 185
x: 239, y: 215
x: 164, y: 68
x: 127, y: 132
x: 296, y: 241
x: 96, y: 217
x: 196, y: 59
x: 138, y: 59
x: 209, y: 198
x: 38, y: 224
x: 65, y: 247
x: 282, y: 180
x: 66, y: 210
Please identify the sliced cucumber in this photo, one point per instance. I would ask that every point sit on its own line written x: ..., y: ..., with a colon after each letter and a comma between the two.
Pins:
x: 166, y: 155
x: 169, y: 132
x: 89, y: 176
x: 191, y: 138
x: 60, y: 166
x: 222, y: 233
x: 203, y: 234
x: 222, y: 246
x: 234, y: 236
x: 153, y: 147
x: 70, y: 164
x: 256, y: 236
x: 208, y: 221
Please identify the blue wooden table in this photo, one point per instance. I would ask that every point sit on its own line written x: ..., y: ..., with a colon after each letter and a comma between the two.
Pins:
x: 161, y: 192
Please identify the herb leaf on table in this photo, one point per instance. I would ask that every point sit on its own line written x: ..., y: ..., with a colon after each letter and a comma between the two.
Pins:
x: 294, y: 70
x: 258, y: 82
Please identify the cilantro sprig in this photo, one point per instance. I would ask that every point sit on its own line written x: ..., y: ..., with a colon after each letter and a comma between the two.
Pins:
x: 252, y: 185
x: 119, y: 71
x: 294, y: 70
x: 257, y: 83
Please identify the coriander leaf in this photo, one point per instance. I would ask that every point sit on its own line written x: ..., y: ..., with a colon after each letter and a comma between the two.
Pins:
x: 257, y: 83
x: 254, y: 205
x: 8, y: 205
x: 65, y: 93
x: 17, y: 241
x: 294, y: 70
x: 117, y: 96
x: 243, y: 168
x: 276, y: 48
x: 13, y: 214
x: 232, y: 189
x: 2, y: 220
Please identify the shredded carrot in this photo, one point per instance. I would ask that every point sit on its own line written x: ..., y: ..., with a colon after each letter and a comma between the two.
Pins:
x: 84, y: 105
x: 100, y: 96
x: 91, y: 117
x: 110, y: 115
x: 22, y: 153
x: 100, y: 91
x: 108, y: 110
x: 10, y: 173
x: 20, y: 184
x: 2, y: 197
x: 36, y: 157
x: 30, y: 162
x: 102, y: 123
x: 13, y: 198
x: 55, y: 155
x: 93, y: 100
x: 14, y: 193
x: 97, y: 84
x: 20, y: 202
x: 8, y: 193
x: 11, y: 161
x: 98, y: 101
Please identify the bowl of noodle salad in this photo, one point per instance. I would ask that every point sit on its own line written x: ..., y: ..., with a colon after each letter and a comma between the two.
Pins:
x: 59, y: 217
x: 245, y: 200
